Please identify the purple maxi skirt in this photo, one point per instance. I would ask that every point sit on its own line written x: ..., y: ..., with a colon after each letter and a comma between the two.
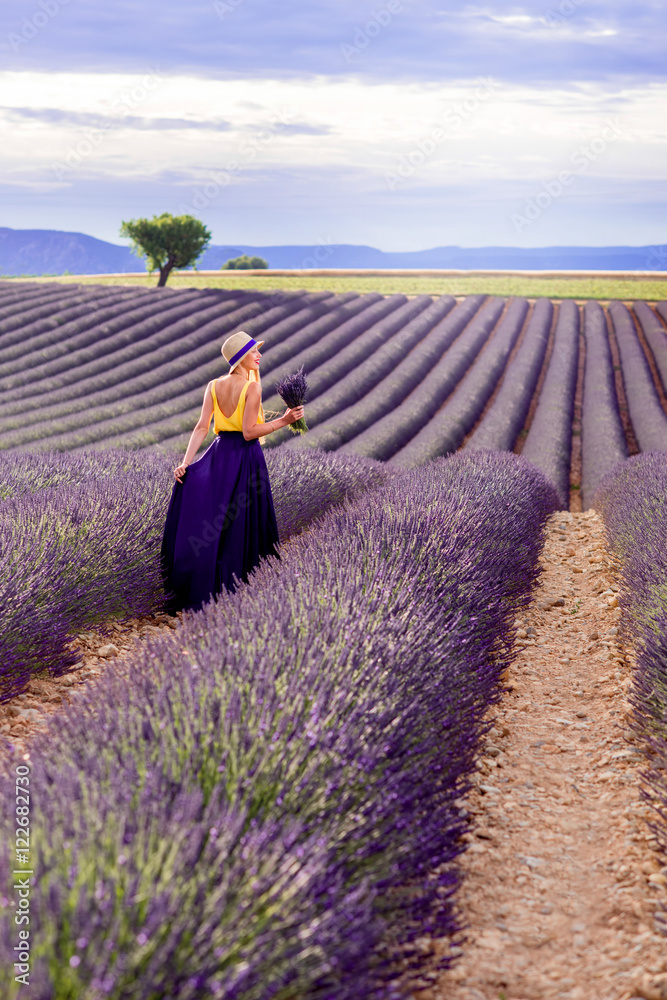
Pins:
x: 220, y: 523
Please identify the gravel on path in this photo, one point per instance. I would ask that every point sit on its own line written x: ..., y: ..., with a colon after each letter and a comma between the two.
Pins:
x: 561, y: 877
x: 101, y: 650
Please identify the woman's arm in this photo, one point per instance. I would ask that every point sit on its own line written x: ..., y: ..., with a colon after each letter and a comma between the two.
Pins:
x: 198, y: 434
x: 253, y: 430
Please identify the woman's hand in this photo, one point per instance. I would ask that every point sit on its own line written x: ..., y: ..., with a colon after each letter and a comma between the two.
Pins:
x: 291, y: 416
x: 179, y: 471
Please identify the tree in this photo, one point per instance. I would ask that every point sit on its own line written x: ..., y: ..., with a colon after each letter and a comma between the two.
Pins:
x: 244, y: 263
x: 167, y: 241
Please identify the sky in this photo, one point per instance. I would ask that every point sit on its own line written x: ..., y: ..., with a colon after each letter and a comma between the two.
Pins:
x: 398, y: 124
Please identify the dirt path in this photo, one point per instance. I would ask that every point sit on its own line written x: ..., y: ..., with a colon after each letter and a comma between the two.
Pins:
x: 561, y: 882
x: 27, y: 713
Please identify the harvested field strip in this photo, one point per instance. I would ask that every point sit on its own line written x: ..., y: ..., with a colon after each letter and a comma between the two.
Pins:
x: 621, y: 395
x: 576, y: 456
x: 581, y: 285
x: 653, y: 338
x: 523, y: 434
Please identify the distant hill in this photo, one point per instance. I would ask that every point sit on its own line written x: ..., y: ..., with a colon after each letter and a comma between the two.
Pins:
x: 46, y: 251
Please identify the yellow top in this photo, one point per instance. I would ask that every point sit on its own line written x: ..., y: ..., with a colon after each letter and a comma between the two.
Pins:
x: 235, y: 422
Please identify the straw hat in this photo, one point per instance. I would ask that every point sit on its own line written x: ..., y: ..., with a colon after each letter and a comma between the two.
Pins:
x: 237, y: 346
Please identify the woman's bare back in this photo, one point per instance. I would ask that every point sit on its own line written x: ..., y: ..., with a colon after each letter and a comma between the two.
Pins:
x: 228, y: 391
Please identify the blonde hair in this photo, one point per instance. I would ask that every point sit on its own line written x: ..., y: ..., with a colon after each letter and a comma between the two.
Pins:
x: 254, y: 376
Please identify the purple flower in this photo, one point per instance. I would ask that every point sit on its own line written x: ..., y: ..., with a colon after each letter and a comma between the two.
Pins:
x: 293, y: 390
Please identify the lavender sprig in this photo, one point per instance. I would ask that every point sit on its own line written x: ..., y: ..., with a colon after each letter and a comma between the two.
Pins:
x: 293, y: 390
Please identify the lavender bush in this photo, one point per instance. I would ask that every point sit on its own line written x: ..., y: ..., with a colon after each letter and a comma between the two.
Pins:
x: 129, y: 365
x: 163, y: 332
x: 346, y: 308
x: 401, y: 379
x: 131, y: 336
x: 188, y: 359
x: 445, y: 432
x: 656, y: 336
x: 32, y: 337
x: 80, y: 540
x: 35, y: 307
x: 99, y: 326
x: 14, y: 293
x: 264, y: 804
x: 335, y: 373
x: 399, y: 364
x: 633, y: 502
x: 602, y: 437
x: 548, y: 444
x: 504, y: 419
x: 391, y: 432
x: 649, y: 420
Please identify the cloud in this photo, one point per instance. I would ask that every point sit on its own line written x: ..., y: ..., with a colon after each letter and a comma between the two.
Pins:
x: 476, y: 130
x: 297, y: 112
x: 87, y: 119
x: 429, y: 40
x: 304, y: 129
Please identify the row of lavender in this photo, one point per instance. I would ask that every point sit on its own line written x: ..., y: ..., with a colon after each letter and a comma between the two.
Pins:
x: 96, y: 372
x: 470, y: 382
x: 266, y: 802
x: 394, y: 379
x: 633, y: 503
x: 80, y: 541
x: 101, y: 377
x: 456, y: 368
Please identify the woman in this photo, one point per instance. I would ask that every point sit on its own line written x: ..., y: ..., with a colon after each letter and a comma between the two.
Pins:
x: 221, y: 520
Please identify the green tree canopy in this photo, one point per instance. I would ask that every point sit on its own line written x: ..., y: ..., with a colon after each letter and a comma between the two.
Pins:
x: 244, y: 263
x: 167, y: 241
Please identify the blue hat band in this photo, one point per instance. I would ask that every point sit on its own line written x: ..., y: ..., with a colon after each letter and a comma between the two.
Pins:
x: 242, y: 352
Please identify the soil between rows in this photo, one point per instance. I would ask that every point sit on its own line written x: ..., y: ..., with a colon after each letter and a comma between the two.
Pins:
x: 561, y: 879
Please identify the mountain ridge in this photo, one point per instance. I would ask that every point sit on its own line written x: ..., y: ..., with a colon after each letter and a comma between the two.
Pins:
x: 52, y: 251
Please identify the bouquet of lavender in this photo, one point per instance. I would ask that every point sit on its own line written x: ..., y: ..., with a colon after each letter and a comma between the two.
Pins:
x: 293, y: 390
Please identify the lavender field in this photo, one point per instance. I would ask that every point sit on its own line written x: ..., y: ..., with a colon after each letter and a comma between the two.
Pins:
x: 267, y: 802
x: 397, y: 379
x: 633, y: 501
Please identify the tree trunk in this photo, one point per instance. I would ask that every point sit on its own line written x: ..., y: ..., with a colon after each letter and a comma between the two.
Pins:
x: 164, y: 273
